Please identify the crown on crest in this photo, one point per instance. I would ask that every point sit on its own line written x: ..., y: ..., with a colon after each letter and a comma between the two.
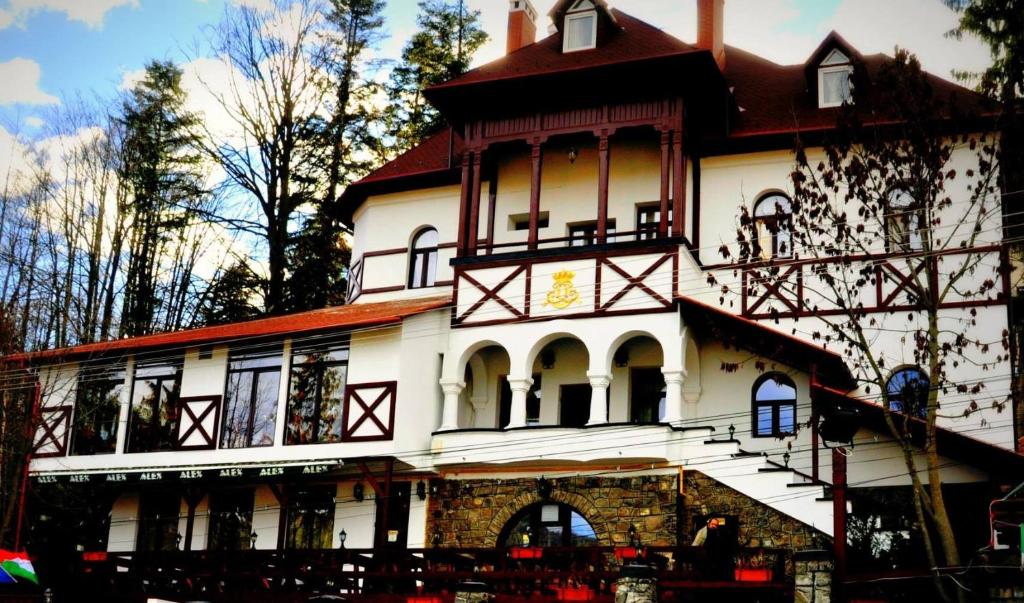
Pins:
x: 563, y: 276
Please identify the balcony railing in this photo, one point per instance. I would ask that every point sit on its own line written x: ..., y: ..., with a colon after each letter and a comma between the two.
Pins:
x: 583, y: 573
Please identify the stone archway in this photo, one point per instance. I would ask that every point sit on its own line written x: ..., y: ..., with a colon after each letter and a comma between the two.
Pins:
x: 581, y: 503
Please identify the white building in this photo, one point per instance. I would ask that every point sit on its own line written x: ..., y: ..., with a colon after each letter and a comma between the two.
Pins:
x: 531, y: 346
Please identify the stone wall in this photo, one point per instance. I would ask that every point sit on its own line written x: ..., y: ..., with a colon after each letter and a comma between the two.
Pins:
x: 472, y: 513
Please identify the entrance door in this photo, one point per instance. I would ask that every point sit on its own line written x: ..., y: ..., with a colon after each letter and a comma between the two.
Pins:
x: 574, y: 402
x: 396, y: 532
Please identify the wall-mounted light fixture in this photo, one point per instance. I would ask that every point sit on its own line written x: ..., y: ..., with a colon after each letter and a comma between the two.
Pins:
x: 357, y: 492
x: 544, y: 488
x: 573, y: 154
x: 252, y: 539
x: 342, y: 537
x: 621, y: 357
x: 438, y: 538
x: 547, y: 358
x: 421, y: 490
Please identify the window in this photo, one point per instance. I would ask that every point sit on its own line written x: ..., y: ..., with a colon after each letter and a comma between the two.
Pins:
x: 575, y: 405
x: 647, y: 395
x: 908, y: 391
x: 153, y: 422
x: 774, y: 407
x: 158, y: 521
x: 522, y: 221
x: 773, y: 221
x: 580, y: 27
x: 250, y: 399
x: 532, y: 402
x: 231, y: 519
x: 316, y: 393
x: 904, y: 223
x: 97, y: 407
x: 648, y: 218
x: 834, y: 74
x: 548, y: 524
x: 423, y: 259
x: 309, y: 522
x: 585, y: 233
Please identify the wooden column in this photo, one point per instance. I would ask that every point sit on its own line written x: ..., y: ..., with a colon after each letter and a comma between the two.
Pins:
x: 602, y: 187
x: 666, y: 161
x: 678, y: 185
x: 839, y: 509
x: 464, y: 202
x: 537, y: 158
x: 474, y: 206
x: 492, y: 202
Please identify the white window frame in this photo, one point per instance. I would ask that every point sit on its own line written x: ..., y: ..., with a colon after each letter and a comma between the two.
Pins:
x: 848, y: 69
x: 592, y: 14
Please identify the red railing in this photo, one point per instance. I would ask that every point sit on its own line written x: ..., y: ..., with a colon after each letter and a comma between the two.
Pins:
x: 555, y: 573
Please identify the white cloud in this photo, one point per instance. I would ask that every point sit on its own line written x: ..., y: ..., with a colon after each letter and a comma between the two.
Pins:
x: 89, y: 12
x: 21, y: 84
x: 34, y: 122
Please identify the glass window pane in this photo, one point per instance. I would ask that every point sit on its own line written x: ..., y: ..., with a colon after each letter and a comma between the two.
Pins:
x: 231, y: 520
x: 835, y: 86
x: 425, y: 239
x: 580, y: 31
x: 331, y: 398
x: 764, y: 420
x: 787, y: 418
x: 97, y: 408
x: 236, y: 410
x: 775, y: 389
x: 268, y: 386
x: 431, y: 276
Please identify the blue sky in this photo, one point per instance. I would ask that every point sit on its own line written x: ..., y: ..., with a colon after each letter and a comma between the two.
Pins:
x: 85, y: 47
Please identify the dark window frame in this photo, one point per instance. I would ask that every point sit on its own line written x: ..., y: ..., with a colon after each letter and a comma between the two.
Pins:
x: 583, y: 234
x: 91, y: 379
x: 776, y: 405
x: 897, y: 404
x: 257, y: 372
x: 221, y: 535
x: 175, y: 369
x: 774, y: 223
x: 648, y: 220
x: 303, y: 500
x: 339, y: 346
x: 899, y: 222
x: 421, y: 257
x: 157, y: 531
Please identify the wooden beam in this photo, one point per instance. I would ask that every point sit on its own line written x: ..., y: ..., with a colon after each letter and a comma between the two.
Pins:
x: 474, y: 205
x: 666, y: 156
x: 537, y: 158
x: 603, y: 156
x: 678, y: 185
x: 839, y: 510
x: 464, y: 201
x: 492, y: 202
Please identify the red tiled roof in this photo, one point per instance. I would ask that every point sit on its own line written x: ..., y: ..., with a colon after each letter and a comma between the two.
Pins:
x: 775, y: 98
x: 357, y: 315
x: 720, y: 325
x: 438, y: 152
x: 636, y: 40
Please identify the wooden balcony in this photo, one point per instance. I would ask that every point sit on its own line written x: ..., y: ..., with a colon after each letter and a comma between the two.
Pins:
x: 548, y: 574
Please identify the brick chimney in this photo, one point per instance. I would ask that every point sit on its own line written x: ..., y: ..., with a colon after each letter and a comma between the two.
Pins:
x: 710, y: 18
x: 522, y: 25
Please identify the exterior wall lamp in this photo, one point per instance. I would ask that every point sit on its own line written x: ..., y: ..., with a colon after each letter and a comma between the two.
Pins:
x: 547, y: 358
x: 573, y: 154
x: 544, y: 488
x: 621, y: 357
x: 342, y: 537
x: 438, y: 538
x: 421, y: 490
x: 357, y: 492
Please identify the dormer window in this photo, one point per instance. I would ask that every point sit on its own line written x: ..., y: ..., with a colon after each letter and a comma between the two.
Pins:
x: 834, y: 87
x: 580, y: 29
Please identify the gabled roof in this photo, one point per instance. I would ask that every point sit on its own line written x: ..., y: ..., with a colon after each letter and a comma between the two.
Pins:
x: 714, y: 323
x: 357, y: 315
x: 561, y: 7
x: 994, y: 459
x: 633, y: 40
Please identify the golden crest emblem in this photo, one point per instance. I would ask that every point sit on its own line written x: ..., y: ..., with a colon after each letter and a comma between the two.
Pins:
x: 563, y: 293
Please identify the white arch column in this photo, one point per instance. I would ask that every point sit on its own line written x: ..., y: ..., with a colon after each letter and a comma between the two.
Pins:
x: 452, y: 389
x: 599, y: 383
x: 520, y: 389
x: 674, y: 379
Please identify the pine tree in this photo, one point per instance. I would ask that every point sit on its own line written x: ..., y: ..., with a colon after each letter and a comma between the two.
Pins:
x: 160, y: 169
x: 233, y: 296
x: 448, y: 37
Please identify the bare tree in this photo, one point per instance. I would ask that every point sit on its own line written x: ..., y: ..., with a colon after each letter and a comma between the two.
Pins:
x: 903, y: 201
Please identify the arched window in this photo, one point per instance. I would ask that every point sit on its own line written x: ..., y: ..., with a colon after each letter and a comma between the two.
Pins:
x: 908, y: 391
x: 547, y: 524
x: 423, y: 259
x: 773, y: 222
x: 904, y: 223
x: 774, y: 406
